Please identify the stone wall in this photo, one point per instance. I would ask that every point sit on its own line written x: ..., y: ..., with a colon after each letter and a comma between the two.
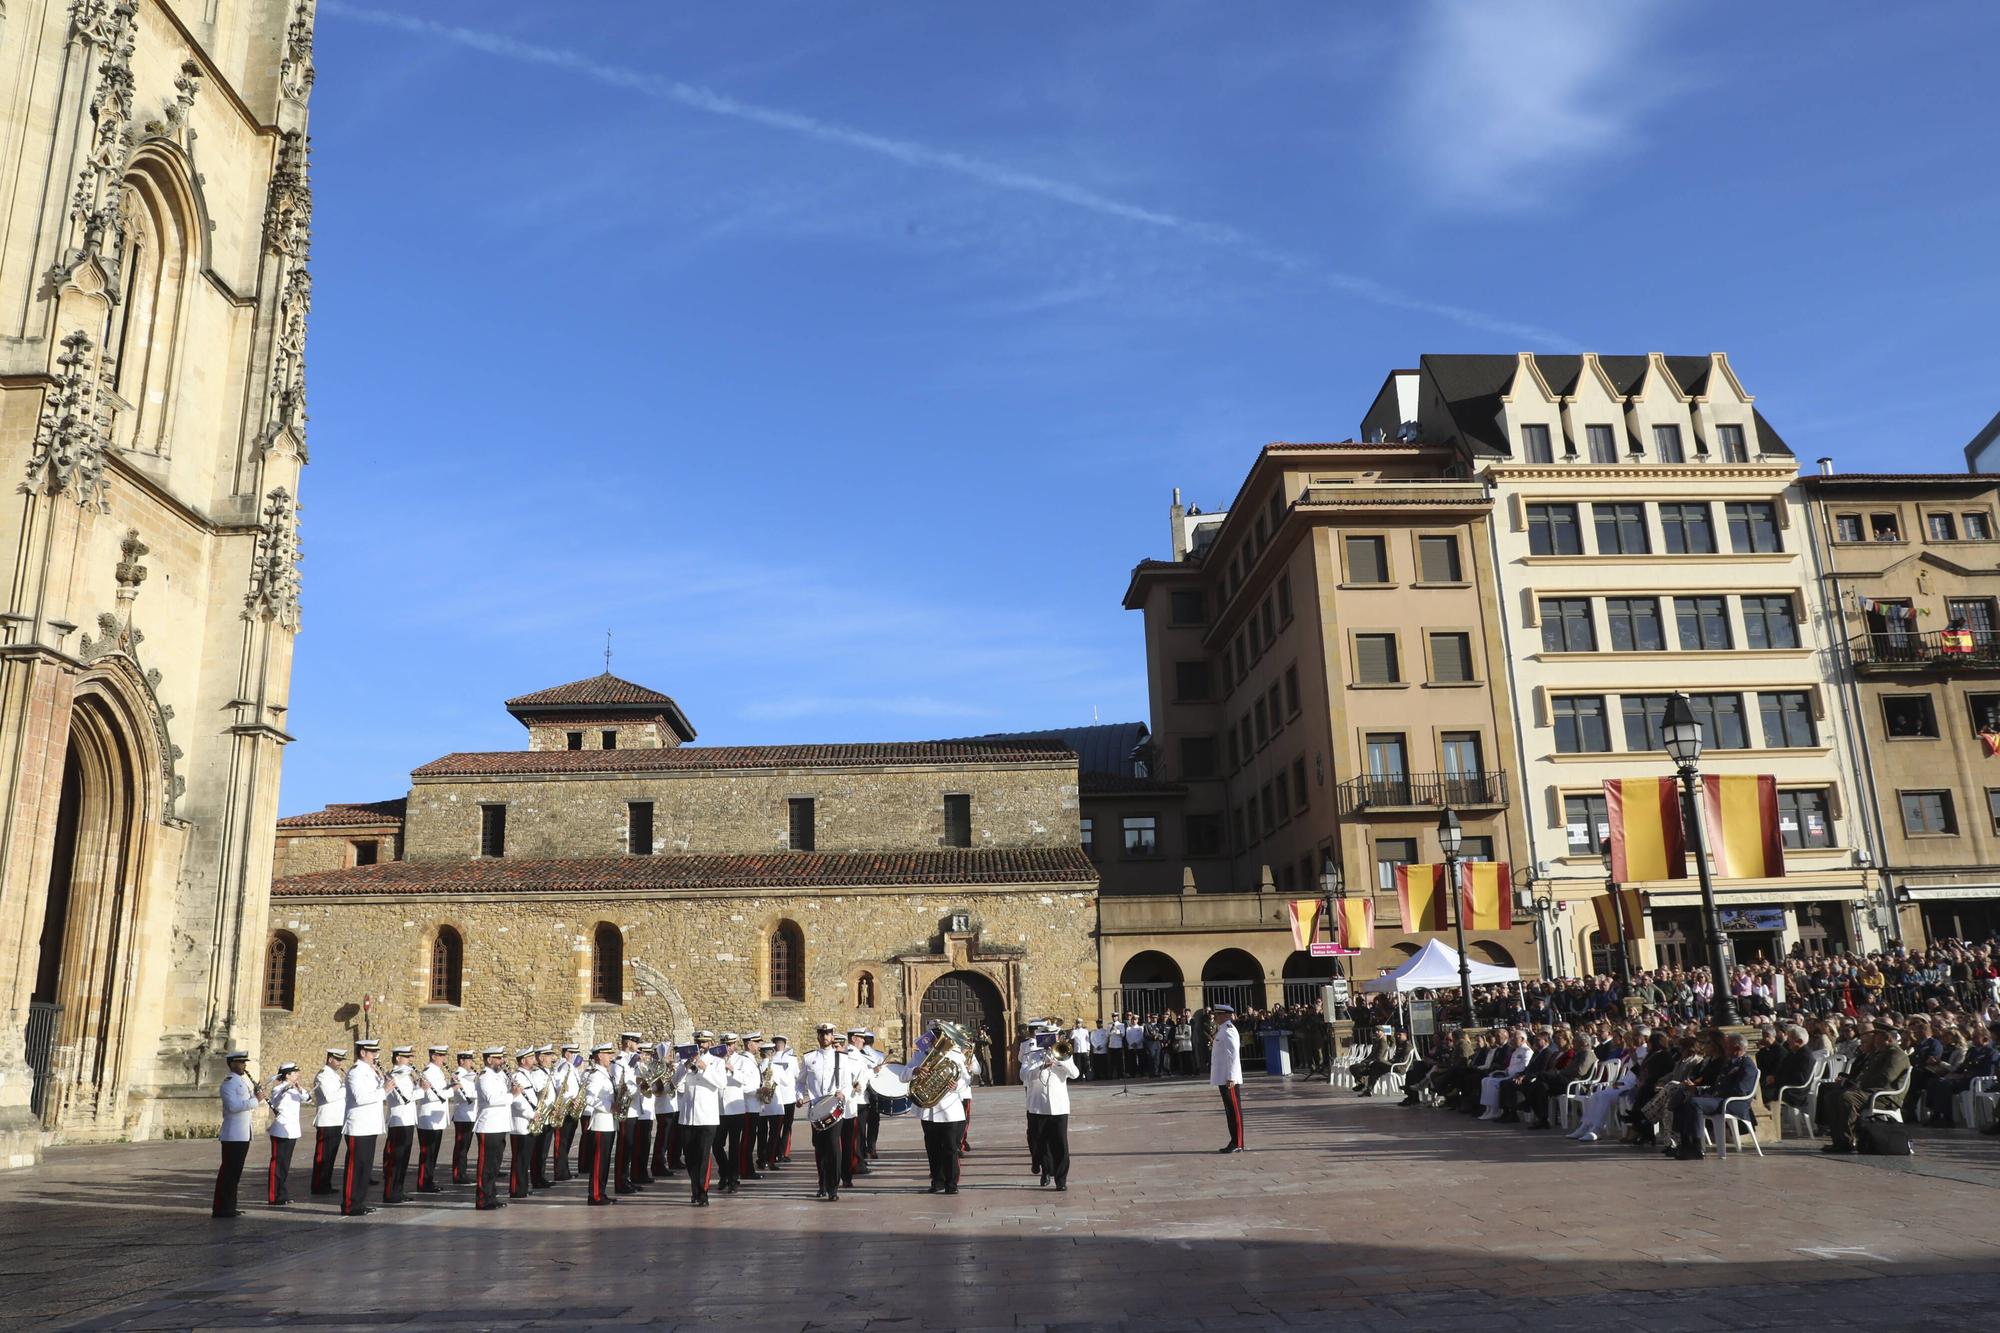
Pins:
x: 873, y: 809
x: 309, y: 850
x: 689, y: 959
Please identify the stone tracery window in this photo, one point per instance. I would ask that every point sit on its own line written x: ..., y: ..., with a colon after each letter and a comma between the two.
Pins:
x: 788, y: 962
x: 607, y: 965
x: 281, y: 961
x: 447, y: 966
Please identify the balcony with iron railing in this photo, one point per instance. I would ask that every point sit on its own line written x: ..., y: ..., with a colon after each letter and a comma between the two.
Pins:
x: 1932, y: 650
x: 1381, y: 793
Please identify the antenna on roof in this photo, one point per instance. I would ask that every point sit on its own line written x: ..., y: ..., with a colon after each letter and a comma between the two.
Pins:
x: 607, y: 652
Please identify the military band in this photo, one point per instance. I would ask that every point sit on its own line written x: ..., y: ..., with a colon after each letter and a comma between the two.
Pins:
x: 722, y: 1110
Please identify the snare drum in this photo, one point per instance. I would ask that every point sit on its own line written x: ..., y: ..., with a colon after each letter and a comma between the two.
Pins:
x: 828, y: 1111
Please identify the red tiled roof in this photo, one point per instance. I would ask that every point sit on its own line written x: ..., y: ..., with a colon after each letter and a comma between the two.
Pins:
x: 701, y: 758
x: 772, y: 870
x: 343, y: 814
x: 604, y: 689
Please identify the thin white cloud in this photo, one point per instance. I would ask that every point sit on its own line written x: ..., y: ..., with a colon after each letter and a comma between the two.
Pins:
x: 1507, y: 102
x: 911, y: 153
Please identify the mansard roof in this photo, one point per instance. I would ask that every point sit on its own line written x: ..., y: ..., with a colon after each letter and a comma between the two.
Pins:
x: 681, y: 873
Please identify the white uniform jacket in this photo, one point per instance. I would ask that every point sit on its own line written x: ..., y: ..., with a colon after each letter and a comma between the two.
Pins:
x: 636, y: 1107
x: 329, y: 1098
x: 522, y: 1104
x: 827, y: 1072
x: 433, y: 1097
x: 464, y: 1096
x: 493, y: 1105
x: 739, y: 1081
x: 286, y: 1099
x: 666, y: 1102
x: 784, y: 1084
x: 1225, y: 1056
x: 600, y: 1088
x: 239, y: 1097
x: 1047, y: 1081
x: 1080, y: 1038
x: 951, y: 1107
x: 364, y: 1101
x: 701, y: 1090
x: 1097, y: 1040
x: 564, y: 1080
x: 401, y: 1097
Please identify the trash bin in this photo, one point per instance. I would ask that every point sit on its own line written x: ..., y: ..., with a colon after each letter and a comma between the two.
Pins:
x: 1278, y: 1053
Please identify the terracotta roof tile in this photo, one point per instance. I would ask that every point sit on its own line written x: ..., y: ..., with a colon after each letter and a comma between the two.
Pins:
x: 604, y: 689
x: 344, y: 814
x: 773, y: 870
x: 701, y: 758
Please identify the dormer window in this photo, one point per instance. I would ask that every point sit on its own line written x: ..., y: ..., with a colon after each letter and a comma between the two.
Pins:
x: 1733, y: 448
x: 1535, y: 444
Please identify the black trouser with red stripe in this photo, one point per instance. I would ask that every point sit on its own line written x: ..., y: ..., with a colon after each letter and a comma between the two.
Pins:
x: 746, y: 1145
x: 461, y: 1148
x: 621, y: 1158
x: 599, y: 1147
x: 965, y: 1130
x: 491, y: 1148
x: 354, y: 1177
x: 326, y: 1152
x: 429, y: 1143
x: 538, y: 1159
x: 826, y: 1156
x: 637, y: 1163
x: 1232, y: 1109
x: 728, y: 1143
x: 871, y: 1126
x: 277, y: 1180
x: 229, y: 1176
x: 1054, y: 1150
x: 698, y: 1147
x: 396, y: 1163
x: 674, y: 1137
x: 565, y: 1136
x: 850, y: 1147
x: 662, y: 1132
x: 785, y: 1149
x: 519, y: 1146
x: 1035, y: 1141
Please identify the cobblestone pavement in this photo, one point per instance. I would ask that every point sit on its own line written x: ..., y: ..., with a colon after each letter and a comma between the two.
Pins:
x: 1343, y: 1213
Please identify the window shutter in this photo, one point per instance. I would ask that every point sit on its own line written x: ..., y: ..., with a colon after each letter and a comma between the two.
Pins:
x: 1375, y: 658
x: 1451, y: 657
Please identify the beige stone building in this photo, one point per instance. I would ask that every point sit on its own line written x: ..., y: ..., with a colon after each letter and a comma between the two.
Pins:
x: 154, y: 225
x: 610, y: 876
x: 1648, y: 538
x: 1326, y: 675
x: 1909, y: 574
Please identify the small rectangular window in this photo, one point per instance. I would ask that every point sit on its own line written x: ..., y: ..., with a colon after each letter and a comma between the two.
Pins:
x: 1262, y: 714
x: 1437, y: 559
x: 1978, y: 528
x: 1284, y: 599
x: 1635, y: 624
x: 1580, y: 724
x: 1277, y: 725
x: 1270, y: 809
x: 1451, y: 658
x: 1769, y: 622
x: 1803, y: 820
x: 1621, y: 529
x: 1847, y: 528
x: 610, y: 740
x: 1687, y: 529
x: 1788, y: 719
x: 492, y: 830
x: 1602, y: 442
x: 1390, y: 853
x: 1667, y: 445
x: 1191, y: 682
x: 1269, y: 621
x: 1753, y: 527
x: 1941, y: 527
x: 1885, y: 528
x: 958, y: 821
x: 1722, y: 722
x: 1645, y: 720
x: 639, y: 828
x: 1535, y: 444
x: 1292, y: 691
x: 1928, y: 812
x: 1703, y: 621
x: 801, y: 819
x: 575, y: 739
x: 1566, y: 625
x: 1909, y: 716
x: 1299, y: 797
x: 1730, y: 438
x: 1993, y: 807
x: 1141, y: 835
x: 1554, y: 530
x: 1367, y: 560
x: 1587, y: 824
x: 1087, y: 830
x: 1375, y: 659
x: 367, y: 852
x: 1188, y: 608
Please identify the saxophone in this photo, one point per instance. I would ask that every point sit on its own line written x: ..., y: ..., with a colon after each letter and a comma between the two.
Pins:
x: 767, y: 1081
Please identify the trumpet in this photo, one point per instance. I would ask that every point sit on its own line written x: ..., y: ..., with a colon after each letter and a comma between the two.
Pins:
x: 1065, y: 1047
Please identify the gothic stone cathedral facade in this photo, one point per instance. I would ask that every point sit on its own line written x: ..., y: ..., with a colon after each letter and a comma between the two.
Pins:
x: 154, y: 224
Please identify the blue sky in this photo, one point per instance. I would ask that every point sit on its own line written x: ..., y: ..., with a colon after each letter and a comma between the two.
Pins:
x: 841, y: 358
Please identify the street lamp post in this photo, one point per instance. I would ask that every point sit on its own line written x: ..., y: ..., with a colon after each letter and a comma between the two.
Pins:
x: 1683, y: 743
x: 1333, y: 890
x: 1450, y: 838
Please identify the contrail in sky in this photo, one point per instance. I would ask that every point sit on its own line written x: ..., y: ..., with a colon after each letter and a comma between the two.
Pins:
x: 993, y: 174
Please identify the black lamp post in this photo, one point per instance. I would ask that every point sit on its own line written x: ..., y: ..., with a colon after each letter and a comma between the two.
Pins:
x: 1683, y: 741
x: 1450, y: 838
x: 1333, y: 892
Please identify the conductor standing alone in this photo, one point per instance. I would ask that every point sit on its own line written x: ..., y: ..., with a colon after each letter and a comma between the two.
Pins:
x: 1225, y: 1071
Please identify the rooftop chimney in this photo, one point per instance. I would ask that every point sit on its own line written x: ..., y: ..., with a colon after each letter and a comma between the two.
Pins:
x: 1826, y: 467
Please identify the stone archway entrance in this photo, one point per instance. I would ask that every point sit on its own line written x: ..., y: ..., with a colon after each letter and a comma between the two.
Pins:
x: 967, y: 999
x: 965, y: 983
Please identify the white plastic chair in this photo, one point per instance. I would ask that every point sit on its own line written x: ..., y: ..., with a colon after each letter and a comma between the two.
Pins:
x: 1888, y: 1104
x: 1343, y: 1075
x: 1392, y: 1081
x: 1572, y: 1099
x: 1720, y: 1127
x: 1802, y: 1114
x: 1977, y: 1104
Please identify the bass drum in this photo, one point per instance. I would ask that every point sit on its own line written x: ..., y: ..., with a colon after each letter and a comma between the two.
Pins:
x: 896, y: 1105
x: 827, y: 1111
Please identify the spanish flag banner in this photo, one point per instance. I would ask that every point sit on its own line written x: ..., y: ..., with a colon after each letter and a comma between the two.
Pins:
x: 1647, y: 840
x: 1420, y: 891
x: 1628, y: 903
x: 1355, y: 923
x: 1305, y: 921
x: 1486, y: 895
x: 1743, y: 827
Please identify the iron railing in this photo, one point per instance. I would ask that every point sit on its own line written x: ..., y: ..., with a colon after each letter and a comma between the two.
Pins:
x: 1405, y: 790
x: 1937, y: 649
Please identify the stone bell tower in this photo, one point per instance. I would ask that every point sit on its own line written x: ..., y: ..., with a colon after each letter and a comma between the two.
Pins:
x: 155, y: 219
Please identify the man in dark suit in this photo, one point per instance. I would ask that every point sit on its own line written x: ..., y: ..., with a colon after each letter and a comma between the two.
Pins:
x: 1794, y: 1068
x: 1514, y: 1089
x: 1883, y: 1065
x: 1578, y: 1063
x: 1737, y: 1079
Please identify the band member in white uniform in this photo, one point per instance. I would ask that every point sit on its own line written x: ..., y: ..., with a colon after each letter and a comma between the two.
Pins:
x: 433, y: 1110
x: 542, y: 1081
x: 285, y: 1100
x: 666, y: 1115
x: 521, y: 1111
x: 362, y: 1129
x: 853, y: 1129
x: 493, y: 1120
x: 789, y: 1060
x: 784, y: 1090
x: 871, y: 1118
x: 1047, y: 1080
x: 1022, y: 1054
x: 568, y: 1077
x: 634, y: 1123
x: 329, y: 1114
x: 400, y: 1096
x: 739, y: 1080
x: 699, y: 1082
x: 753, y: 1108
x: 464, y: 1111
x: 941, y: 1129
x: 826, y: 1076
x: 239, y: 1095
x: 1225, y: 1071
x: 600, y: 1122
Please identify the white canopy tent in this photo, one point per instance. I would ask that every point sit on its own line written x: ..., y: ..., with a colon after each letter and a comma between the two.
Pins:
x: 1435, y: 967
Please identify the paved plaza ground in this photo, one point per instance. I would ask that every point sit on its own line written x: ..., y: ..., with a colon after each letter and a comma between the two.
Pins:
x: 1344, y: 1213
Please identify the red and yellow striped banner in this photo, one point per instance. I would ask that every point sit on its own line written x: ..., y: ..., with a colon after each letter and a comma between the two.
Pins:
x: 1354, y: 923
x: 1632, y: 904
x: 1743, y: 829
x: 1486, y: 895
x: 1305, y: 921
x: 1420, y: 892
x: 1647, y: 839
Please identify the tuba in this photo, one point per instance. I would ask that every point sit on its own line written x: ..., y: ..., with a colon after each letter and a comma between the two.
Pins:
x: 936, y: 1075
x: 1065, y: 1047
